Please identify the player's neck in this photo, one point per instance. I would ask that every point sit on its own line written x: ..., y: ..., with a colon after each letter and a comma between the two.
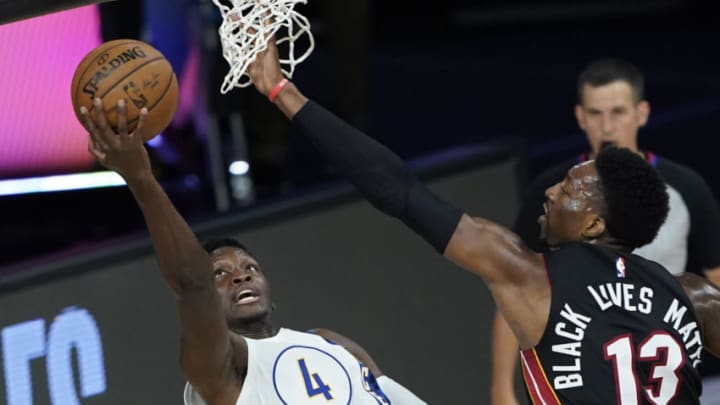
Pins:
x: 611, y: 243
x: 260, y: 329
x: 592, y: 155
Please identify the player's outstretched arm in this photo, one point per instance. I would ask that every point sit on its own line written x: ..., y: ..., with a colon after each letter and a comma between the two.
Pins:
x: 395, y: 392
x: 375, y: 170
x: 478, y: 245
x: 705, y: 297
x: 182, y: 261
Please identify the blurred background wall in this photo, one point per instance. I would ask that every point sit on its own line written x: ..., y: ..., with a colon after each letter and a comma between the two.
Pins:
x: 435, y: 81
x: 419, y: 76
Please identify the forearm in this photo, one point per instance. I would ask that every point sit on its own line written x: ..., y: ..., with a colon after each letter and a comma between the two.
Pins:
x: 351, y: 152
x: 505, y: 350
x: 181, y: 259
x: 705, y: 298
x: 379, y: 174
x: 290, y: 100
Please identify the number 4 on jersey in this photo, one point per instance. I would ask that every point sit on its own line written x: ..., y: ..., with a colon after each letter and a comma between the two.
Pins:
x: 314, y: 385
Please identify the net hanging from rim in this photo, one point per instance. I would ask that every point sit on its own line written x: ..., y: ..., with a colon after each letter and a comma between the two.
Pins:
x: 246, y: 28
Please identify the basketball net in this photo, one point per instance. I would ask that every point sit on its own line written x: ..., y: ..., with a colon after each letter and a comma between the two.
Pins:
x: 246, y: 28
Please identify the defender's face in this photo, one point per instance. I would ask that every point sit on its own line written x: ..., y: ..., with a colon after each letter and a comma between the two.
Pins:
x: 571, y: 206
x: 610, y: 115
x: 243, y: 288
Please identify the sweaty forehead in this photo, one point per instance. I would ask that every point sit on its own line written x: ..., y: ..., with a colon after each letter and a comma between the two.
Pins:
x: 583, y: 174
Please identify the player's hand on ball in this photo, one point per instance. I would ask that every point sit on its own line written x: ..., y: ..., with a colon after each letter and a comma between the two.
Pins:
x: 121, y: 151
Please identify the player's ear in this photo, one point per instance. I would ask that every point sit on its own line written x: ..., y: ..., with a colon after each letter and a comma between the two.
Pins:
x: 643, y: 109
x: 580, y: 116
x: 595, y: 227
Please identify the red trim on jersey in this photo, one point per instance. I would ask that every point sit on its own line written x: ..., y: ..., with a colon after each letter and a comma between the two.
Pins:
x: 540, y: 389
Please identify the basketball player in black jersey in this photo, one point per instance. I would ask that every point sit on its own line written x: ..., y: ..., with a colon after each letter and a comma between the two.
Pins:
x: 598, y: 324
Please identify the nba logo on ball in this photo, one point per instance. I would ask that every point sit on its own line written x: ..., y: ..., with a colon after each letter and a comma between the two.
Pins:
x: 620, y: 267
x: 133, y: 71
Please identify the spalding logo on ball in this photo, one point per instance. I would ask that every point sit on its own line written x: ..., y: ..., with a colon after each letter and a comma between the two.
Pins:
x: 131, y: 70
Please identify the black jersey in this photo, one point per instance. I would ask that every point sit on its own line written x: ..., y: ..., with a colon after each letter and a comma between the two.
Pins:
x: 621, y: 330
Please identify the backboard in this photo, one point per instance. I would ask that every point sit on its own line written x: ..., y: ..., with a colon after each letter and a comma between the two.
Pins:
x: 13, y: 10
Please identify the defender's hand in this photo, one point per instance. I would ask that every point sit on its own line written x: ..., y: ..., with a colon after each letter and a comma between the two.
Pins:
x: 265, y: 71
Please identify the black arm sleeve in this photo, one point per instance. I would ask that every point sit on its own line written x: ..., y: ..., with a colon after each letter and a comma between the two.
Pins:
x: 380, y: 175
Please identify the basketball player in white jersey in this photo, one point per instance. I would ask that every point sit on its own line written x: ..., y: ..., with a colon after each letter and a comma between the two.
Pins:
x: 231, y: 352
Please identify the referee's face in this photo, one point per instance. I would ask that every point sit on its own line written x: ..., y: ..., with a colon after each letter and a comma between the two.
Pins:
x: 611, y: 115
x: 572, y: 208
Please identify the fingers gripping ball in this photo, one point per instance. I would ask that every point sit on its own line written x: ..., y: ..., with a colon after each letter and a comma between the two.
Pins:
x: 130, y: 70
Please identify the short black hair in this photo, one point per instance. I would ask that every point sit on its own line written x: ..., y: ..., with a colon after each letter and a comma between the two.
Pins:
x: 606, y: 71
x: 213, y: 244
x: 636, y: 198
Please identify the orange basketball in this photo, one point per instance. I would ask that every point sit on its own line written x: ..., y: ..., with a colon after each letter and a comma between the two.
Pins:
x: 131, y: 70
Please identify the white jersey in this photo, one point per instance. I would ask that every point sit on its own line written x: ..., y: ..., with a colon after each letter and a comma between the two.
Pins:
x: 670, y: 246
x: 297, y: 368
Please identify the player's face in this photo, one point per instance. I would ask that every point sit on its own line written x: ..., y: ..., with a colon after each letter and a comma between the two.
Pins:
x: 609, y: 115
x: 243, y: 288
x: 571, y: 206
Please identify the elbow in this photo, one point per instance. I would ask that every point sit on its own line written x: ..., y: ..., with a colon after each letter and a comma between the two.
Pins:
x: 193, y: 281
x: 191, y: 277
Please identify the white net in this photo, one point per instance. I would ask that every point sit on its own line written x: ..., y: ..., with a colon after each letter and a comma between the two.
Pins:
x: 246, y: 28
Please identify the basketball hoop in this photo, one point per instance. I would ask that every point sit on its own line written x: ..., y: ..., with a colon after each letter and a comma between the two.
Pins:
x: 246, y: 28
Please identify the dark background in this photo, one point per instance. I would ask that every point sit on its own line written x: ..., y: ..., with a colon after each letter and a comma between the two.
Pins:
x: 432, y: 75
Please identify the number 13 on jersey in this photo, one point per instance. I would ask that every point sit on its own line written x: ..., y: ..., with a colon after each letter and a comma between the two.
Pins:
x: 666, y: 356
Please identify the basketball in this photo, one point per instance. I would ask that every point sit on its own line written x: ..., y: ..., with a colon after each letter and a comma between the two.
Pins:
x: 131, y: 70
